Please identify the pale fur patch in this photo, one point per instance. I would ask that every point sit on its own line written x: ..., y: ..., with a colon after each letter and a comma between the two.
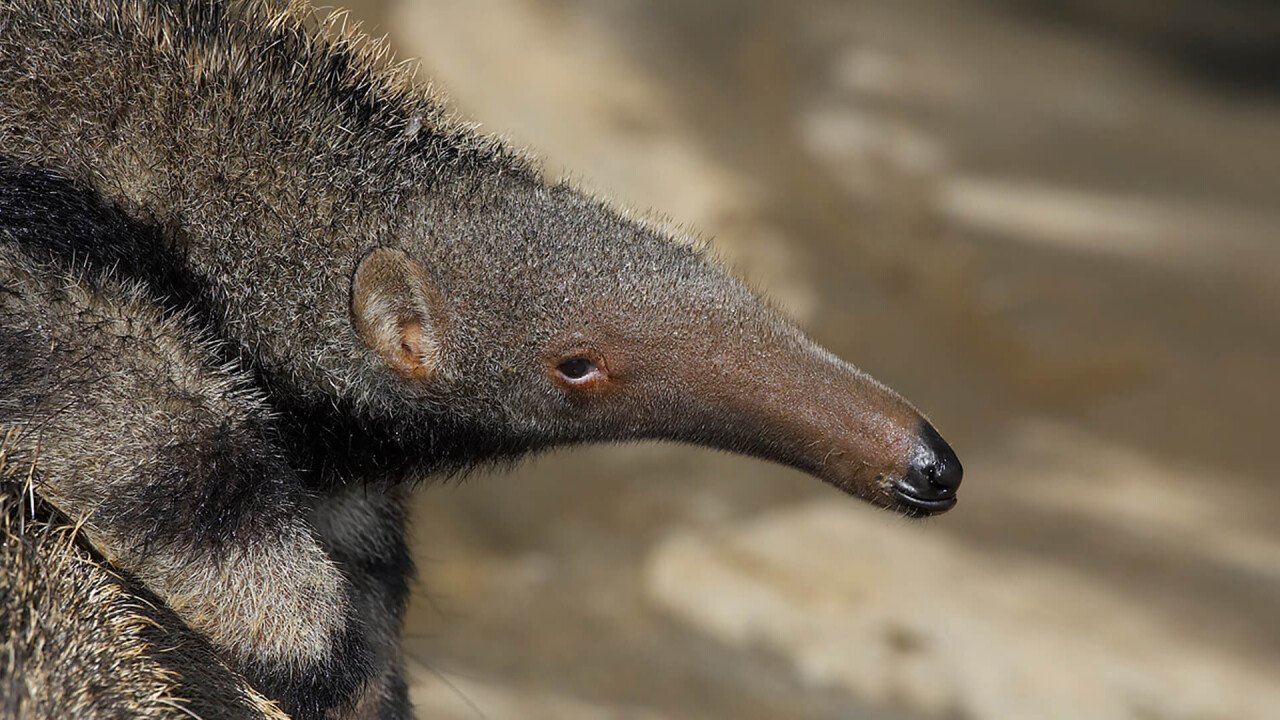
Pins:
x: 282, y: 603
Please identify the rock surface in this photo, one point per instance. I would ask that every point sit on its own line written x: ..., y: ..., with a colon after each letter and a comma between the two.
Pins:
x: 910, y: 614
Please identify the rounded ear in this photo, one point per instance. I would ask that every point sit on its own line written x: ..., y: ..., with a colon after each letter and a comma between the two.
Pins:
x: 397, y: 312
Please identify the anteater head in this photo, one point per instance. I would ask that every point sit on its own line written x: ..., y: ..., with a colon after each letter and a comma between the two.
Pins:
x: 540, y: 317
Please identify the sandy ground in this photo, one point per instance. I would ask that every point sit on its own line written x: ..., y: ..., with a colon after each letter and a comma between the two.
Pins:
x: 1057, y: 232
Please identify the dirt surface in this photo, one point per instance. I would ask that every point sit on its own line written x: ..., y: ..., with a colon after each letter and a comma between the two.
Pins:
x: 1053, y: 226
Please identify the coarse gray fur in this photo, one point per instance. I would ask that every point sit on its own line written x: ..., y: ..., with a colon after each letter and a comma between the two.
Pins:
x: 169, y: 459
x: 363, y: 291
x: 79, y: 640
x: 274, y: 158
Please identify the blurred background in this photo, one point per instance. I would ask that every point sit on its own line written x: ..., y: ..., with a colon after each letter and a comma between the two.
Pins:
x: 1054, y: 226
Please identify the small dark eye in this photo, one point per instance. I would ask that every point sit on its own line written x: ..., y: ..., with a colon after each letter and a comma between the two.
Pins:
x: 576, y: 368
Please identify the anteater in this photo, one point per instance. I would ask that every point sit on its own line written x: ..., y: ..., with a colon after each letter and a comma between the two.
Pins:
x: 370, y: 292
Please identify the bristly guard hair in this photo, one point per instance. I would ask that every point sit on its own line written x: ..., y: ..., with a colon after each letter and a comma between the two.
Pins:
x: 80, y: 640
x: 405, y: 297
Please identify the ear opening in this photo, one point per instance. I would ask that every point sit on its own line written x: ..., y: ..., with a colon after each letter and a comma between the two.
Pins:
x: 397, y: 312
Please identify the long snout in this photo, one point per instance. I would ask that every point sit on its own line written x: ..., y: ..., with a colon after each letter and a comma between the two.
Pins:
x: 807, y: 409
x: 844, y: 427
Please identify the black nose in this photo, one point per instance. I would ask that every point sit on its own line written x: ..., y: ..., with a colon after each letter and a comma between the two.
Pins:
x: 932, y: 476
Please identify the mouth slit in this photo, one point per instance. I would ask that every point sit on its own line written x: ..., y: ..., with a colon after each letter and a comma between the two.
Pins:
x: 915, y: 502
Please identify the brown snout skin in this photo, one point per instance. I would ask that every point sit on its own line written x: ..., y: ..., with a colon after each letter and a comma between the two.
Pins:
x: 814, y: 412
x: 916, y: 477
x: 788, y: 400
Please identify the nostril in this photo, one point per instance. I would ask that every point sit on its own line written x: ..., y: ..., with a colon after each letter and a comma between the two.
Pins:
x: 930, y: 479
x: 941, y: 467
x: 946, y: 475
x: 932, y: 476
